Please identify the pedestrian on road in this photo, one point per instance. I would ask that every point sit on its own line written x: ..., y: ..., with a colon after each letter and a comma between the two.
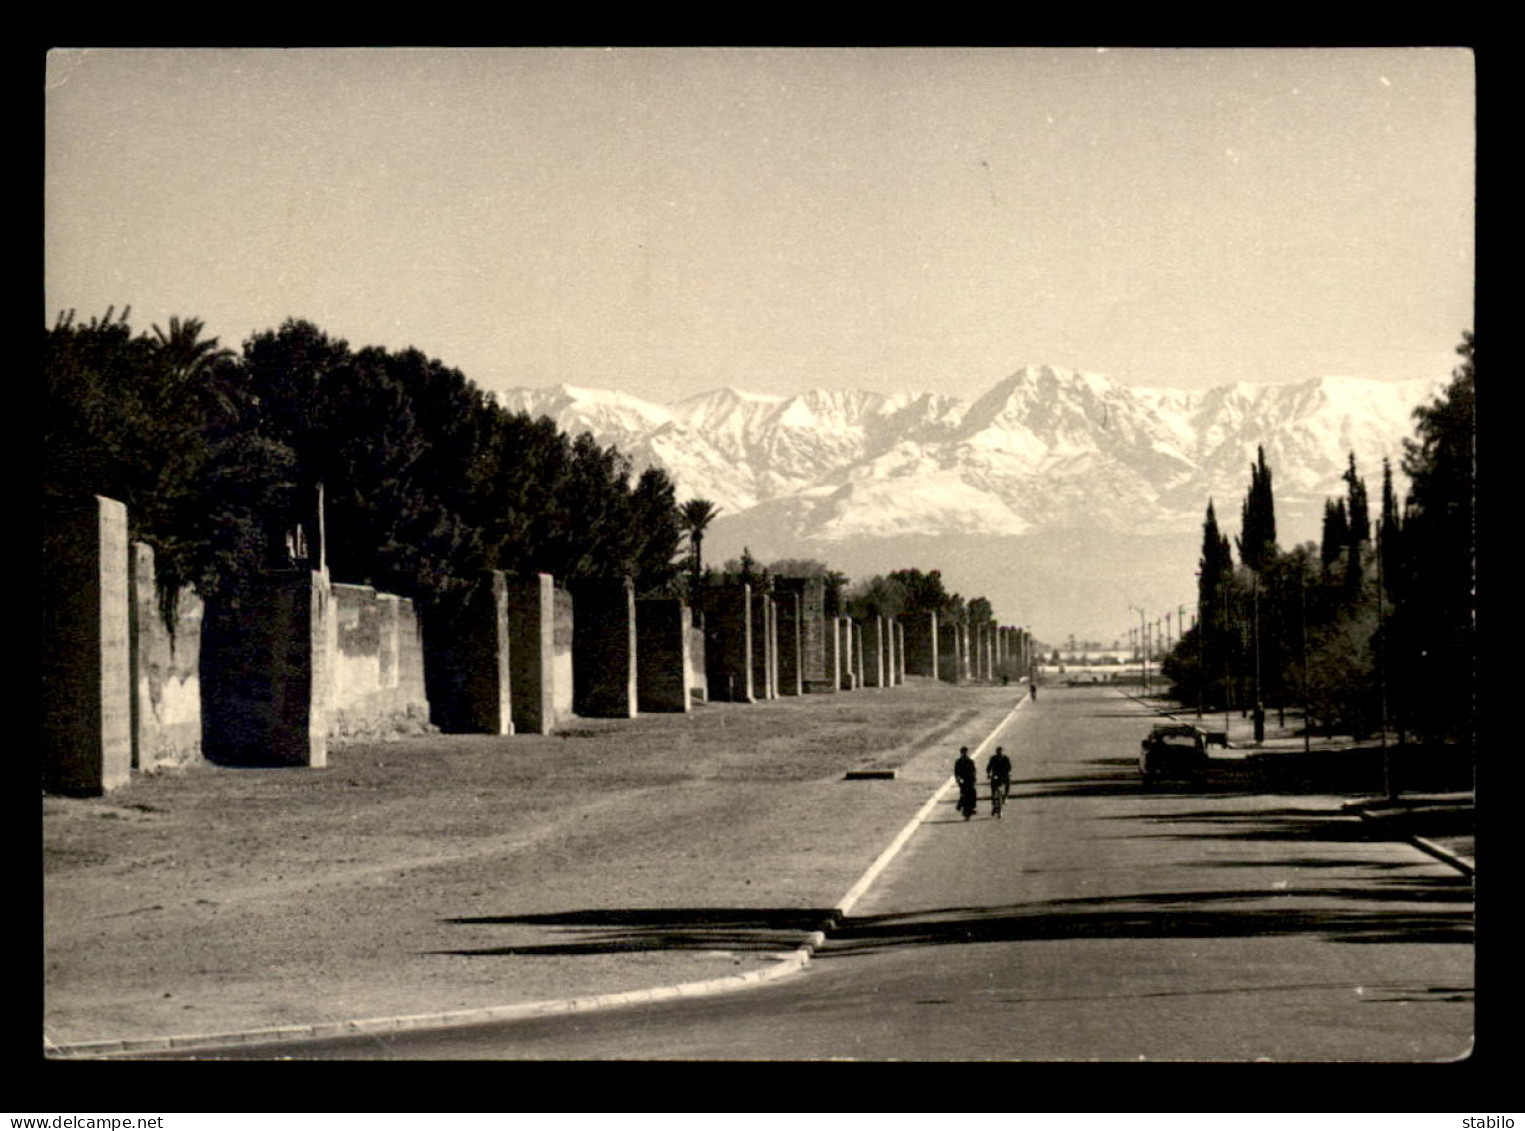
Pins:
x: 964, y: 773
x: 1032, y: 689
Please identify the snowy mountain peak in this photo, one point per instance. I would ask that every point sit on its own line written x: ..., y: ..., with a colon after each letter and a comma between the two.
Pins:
x: 1046, y: 448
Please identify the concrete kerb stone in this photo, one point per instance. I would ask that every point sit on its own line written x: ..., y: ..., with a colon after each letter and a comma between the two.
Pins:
x: 785, y: 965
x: 1461, y: 863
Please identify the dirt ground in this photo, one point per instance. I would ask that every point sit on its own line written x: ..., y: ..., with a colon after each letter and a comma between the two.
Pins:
x: 436, y: 873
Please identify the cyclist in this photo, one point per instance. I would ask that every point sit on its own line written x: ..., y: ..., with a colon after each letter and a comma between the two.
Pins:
x: 998, y: 770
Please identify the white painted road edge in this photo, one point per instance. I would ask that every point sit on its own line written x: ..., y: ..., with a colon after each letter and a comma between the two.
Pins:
x: 787, y: 964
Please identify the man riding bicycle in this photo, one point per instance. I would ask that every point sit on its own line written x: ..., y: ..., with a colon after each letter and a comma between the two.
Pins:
x: 998, y: 770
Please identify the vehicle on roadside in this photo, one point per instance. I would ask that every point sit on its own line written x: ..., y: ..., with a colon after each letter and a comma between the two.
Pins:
x: 1173, y: 752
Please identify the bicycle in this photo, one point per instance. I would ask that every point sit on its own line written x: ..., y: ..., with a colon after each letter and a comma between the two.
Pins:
x: 999, y: 788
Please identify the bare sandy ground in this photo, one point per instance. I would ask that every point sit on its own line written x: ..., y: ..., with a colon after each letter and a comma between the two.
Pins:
x: 438, y: 873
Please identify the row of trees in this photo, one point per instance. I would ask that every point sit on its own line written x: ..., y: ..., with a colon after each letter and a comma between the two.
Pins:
x: 883, y: 595
x: 1370, y: 627
x: 426, y: 482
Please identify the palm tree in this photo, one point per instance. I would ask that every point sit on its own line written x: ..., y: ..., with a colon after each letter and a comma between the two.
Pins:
x: 697, y: 515
x: 187, y: 364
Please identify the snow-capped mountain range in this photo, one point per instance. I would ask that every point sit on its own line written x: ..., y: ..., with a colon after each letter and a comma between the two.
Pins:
x: 1048, y: 465
x: 1046, y: 448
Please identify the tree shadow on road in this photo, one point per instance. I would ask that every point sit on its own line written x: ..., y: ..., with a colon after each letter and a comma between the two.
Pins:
x: 624, y: 929
x: 1442, y: 915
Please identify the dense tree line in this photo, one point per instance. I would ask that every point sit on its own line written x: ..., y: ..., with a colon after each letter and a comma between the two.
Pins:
x: 1372, y: 627
x: 426, y: 481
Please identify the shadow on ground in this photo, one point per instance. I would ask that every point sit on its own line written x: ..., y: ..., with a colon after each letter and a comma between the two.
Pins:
x: 618, y: 930
x: 1442, y: 914
x: 1390, y: 909
x: 1439, y: 911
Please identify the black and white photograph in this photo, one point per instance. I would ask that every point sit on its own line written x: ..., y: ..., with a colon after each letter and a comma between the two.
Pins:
x: 741, y: 554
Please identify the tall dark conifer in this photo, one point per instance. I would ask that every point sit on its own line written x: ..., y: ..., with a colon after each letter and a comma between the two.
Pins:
x: 1390, y: 538
x: 1359, y: 534
x: 1336, y: 535
x: 1215, y: 608
x: 1257, y: 539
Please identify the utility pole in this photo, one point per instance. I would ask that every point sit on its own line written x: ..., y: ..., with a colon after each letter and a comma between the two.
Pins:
x: 1302, y: 594
x: 1228, y: 681
x: 1143, y: 636
x: 1260, y: 711
x: 1389, y: 782
x: 1201, y: 661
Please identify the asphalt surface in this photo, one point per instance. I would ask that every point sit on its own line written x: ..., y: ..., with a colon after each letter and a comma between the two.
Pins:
x: 1093, y: 921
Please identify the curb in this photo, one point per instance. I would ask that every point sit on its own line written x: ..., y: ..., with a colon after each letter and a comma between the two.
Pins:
x: 788, y: 964
x: 1463, y: 864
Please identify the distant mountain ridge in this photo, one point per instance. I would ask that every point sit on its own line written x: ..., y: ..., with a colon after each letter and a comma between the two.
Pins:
x: 1062, y: 496
x: 1046, y: 448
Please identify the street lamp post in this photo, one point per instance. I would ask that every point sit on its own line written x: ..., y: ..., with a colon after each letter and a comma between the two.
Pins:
x: 1143, y: 633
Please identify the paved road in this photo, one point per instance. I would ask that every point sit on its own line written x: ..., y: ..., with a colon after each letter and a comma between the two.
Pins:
x: 1094, y: 921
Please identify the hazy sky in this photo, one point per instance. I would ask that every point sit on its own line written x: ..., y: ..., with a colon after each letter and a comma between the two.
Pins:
x: 670, y: 221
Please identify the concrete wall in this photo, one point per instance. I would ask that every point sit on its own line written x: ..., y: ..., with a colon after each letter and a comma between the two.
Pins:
x: 728, y: 648
x: 762, y: 650
x: 770, y: 606
x: 412, y: 696
x: 844, y: 655
x: 532, y: 652
x: 814, y: 674
x: 467, y: 661
x: 831, y: 666
x: 561, y: 652
x: 355, y: 637
x: 790, y: 632
x: 166, y: 671
x: 860, y: 655
x: 267, y: 672
x: 604, y: 669
x: 86, y: 673
x: 875, y: 640
x: 377, y: 664
x: 662, y: 627
x: 264, y: 677
x: 698, y: 676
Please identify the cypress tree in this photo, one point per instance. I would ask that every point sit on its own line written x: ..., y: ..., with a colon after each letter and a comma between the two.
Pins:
x: 1336, y: 536
x: 1257, y: 540
x: 1359, y: 533
x: 1217, y: 603
x: 1390, y: 538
